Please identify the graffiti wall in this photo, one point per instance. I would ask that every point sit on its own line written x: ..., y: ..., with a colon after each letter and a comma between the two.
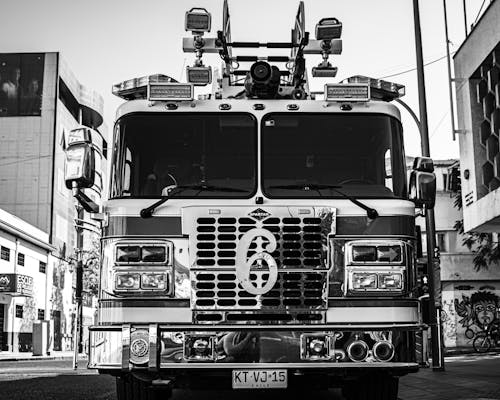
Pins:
x: 468, y: 308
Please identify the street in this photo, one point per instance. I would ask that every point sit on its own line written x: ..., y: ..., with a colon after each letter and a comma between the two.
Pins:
x: 466, y: 377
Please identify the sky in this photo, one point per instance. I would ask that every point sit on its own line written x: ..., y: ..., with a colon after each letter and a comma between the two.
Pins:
x: 108, y: 41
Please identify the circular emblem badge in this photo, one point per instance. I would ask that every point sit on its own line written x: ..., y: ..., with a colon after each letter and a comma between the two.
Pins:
x: 243, y: 263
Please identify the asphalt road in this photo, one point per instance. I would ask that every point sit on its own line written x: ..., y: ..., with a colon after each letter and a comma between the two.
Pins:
x: 466, y: 377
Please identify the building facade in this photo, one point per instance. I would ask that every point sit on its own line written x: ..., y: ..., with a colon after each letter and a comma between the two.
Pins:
x: 462, y: 286
x: 40, y: 102
x: 477, y: 80
x: 477, y: 76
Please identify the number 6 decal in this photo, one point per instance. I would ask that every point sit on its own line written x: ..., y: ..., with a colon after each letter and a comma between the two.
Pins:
x: 243, y: 263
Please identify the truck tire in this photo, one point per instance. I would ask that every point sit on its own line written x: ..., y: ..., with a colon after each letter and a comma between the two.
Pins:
x: 129, y: 387
x: 372, y: 387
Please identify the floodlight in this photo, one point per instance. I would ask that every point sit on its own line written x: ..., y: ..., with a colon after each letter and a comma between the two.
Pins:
x: 198, y: 20
x: 324, y: 70
x: 199, y: 76
x: 328, y: 29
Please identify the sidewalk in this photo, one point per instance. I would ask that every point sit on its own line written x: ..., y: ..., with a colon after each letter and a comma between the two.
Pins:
x: 471, y: 376
x: 54, y: 355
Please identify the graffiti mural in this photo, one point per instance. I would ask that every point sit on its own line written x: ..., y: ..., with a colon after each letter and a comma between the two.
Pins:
x: 477, y: 312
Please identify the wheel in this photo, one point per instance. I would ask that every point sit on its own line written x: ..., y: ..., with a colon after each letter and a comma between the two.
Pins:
x: 482, y: 343
x: 129, y: 387
x: 372, y: 387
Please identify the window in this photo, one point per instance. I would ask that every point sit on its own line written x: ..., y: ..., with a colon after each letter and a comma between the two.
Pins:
x: 19, y: 311
x: 61, y: 280
x: 5, y: 253
x: 41, y: 314
x: 42, y: 267
x: 20, y: 259
x: 156, y: 152
x: 359, y: 154
x: 441, y: 242
x: 21, y: 84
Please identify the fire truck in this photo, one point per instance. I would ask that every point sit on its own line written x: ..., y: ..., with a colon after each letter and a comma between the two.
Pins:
x: 260, y: 236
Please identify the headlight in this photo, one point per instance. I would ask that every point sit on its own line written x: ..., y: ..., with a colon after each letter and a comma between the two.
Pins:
x: 154, y: 254
x: 148, y: 253
x: 127, y: 281
x: 364, y: 281
x: 127, y: 254
x: 154, y: 281
x: 367, y: 251
x: 390, y: 281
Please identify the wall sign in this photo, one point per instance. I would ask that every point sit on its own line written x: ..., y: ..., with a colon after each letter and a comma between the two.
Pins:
x: 16, y: 284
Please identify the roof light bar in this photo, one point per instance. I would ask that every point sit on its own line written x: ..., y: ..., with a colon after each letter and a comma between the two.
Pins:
x: 380, y: 89
x: 347, y: 92
x: 137, y: 88
x: 161, y: 91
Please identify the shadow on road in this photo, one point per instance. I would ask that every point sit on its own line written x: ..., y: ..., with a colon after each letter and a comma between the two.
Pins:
x: 71, y: 387
x: 102, y: 387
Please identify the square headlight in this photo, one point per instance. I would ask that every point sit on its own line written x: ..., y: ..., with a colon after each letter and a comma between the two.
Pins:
x: 125, y: 281
x: 363, y: 281
x: 154, y: 281
x: 390, y: 281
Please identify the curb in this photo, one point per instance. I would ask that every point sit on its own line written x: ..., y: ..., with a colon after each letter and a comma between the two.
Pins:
x: 40, y: 358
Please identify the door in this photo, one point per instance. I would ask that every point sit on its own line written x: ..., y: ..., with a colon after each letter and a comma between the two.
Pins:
x: 56, y: 315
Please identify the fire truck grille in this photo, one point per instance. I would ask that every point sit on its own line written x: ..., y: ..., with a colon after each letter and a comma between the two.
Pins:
x: 301, y: 242
x: 300, y: 256
x: 220, y: 290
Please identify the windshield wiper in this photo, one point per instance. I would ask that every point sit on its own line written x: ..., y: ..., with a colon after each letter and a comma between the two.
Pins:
x: 370, y: 212
x: 148, y: 212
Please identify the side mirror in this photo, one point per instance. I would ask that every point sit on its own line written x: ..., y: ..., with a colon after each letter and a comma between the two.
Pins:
x: 80, y: 166
x: 423, y: 183
x: 79, y: 172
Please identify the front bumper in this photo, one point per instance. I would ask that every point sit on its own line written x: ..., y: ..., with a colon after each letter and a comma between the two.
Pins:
x: 168, y: 347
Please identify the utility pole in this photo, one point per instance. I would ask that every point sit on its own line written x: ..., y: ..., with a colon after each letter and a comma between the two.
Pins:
x: 450, y: 79
x: 430, y: 226
x: 77, y: 345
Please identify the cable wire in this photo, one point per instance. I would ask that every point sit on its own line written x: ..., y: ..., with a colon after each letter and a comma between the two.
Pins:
x: 414, y: 69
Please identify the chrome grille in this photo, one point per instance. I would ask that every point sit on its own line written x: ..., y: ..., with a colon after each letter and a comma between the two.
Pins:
x: 219, y: 290
x: 301, y: 242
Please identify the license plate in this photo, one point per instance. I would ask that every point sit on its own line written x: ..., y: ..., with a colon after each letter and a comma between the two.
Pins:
x: 260, y: 379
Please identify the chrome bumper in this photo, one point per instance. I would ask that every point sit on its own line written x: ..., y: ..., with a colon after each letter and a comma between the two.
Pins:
x: 278, y: 347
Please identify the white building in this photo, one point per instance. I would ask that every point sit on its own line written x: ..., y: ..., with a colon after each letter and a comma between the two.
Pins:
x: 40, y: 102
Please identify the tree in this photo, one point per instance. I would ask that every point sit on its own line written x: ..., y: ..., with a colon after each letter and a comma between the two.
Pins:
x: 91, y: 264
x: 485, y: 248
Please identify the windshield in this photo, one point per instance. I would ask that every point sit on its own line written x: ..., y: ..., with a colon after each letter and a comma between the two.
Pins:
x: 156, y: 152
x: 360, y: 153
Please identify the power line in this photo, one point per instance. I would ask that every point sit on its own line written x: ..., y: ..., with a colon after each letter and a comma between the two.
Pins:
x: 25, y: 159
x: 413, y: 69
x: 479, y: 12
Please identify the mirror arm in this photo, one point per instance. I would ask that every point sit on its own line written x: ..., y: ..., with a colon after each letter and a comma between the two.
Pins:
x: 86, y: 202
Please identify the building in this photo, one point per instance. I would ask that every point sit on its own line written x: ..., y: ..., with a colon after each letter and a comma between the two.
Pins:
x: 40, y: 102
x: 477, y: 75
x: 461, y: 284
